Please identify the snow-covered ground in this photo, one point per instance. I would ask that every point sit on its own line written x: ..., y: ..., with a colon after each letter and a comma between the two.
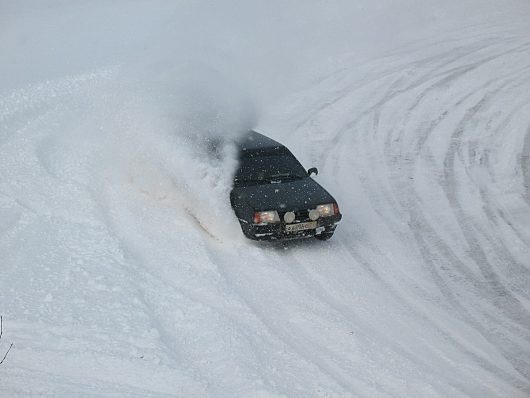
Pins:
x: 123, y: 272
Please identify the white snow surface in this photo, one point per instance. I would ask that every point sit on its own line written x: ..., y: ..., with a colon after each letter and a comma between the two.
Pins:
x: 123, y: 271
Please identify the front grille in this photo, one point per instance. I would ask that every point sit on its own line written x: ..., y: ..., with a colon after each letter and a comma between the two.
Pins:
x: 301, y: 215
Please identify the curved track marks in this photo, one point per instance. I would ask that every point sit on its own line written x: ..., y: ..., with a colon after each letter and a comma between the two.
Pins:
x: 424, y: 151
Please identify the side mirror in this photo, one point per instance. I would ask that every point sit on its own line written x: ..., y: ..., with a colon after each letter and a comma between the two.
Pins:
x: 312, y: 170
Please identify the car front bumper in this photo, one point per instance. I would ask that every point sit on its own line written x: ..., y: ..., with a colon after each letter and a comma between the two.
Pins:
x: 277, y: 231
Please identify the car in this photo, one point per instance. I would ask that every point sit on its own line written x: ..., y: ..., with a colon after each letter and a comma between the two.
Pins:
x: 275, y: 198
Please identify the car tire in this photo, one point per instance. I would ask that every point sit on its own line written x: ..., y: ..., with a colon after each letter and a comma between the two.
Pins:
x: 324, y: 235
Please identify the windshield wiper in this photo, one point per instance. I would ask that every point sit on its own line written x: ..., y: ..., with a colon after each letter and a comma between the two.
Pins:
x: 252, y: 181
x: 275, y: 179
x: 285, y: 177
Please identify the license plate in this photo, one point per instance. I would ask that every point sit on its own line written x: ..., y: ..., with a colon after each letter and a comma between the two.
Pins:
x: 301, y: 226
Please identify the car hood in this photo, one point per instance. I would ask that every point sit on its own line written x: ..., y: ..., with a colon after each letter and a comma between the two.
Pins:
x: 293, y: 195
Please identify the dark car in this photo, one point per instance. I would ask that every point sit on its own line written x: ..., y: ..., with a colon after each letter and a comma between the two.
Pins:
x: 274, y: 197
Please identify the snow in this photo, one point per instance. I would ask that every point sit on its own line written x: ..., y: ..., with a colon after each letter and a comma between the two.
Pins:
x: 123, y: 270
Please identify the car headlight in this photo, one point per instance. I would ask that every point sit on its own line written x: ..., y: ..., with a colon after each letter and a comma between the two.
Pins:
x: 327, y: 210
x: 266, y: 217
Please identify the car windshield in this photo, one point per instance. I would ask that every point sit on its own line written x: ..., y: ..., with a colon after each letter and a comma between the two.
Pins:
x: 269, y: 169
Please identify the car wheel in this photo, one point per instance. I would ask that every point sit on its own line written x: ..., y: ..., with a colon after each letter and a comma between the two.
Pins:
x: 324, y: 236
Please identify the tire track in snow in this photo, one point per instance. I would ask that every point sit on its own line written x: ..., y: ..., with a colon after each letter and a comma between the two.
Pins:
x: 476, y: 355
x: 392, y: 92
x: 424, y: 136
x: 503, y: 298
x: 525, y: 165
x: 283, y: 335
x: 370, y: 332
x: 433, y: 247
x: 468, y: 232
x: 467, y: 227
x: 410, y: 204
x: 343, y: 94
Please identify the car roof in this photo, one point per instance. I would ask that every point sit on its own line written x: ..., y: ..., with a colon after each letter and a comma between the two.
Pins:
x: 254, y: 144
